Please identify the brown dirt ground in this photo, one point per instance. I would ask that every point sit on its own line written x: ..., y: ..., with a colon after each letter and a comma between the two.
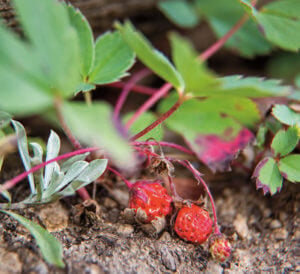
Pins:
x: 263, y: 231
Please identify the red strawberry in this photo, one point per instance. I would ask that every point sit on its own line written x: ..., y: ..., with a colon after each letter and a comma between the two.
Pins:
x: 150, y: 201
x: 219, y: 248
x: 193, y: 224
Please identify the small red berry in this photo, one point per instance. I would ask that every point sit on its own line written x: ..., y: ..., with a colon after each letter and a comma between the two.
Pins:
x: 219, y: 248
x: 151, y: 198
x: 193, y: 224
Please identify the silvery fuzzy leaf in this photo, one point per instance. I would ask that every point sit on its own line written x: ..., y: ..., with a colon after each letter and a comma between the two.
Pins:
x: 38, y: 176
x: 4, y: 119
x: 53, y: 147
x: 23, y: 151
x: 94, y: 170
x: 74, y: 171
x: 67, y: 164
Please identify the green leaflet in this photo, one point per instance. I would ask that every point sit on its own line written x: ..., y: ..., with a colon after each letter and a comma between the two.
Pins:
x: 180, y: 12
x: 214, y: 136
x: 85, y: 38
x: 50, y: 247
x: 94, y: 125
x: 290, y: 167
x: 152, y: 58
x: 223, y: 15
x: 268, y: 176
x: 285, y: 141
x: 113, y: 57
x: 285, y: 115
x: 280, y: 22
x: 55, y: 44
x: 195, y: 74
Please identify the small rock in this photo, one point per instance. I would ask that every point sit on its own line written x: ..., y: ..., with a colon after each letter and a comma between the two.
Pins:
x: 244, y: 257
x: 241, y: 227
x: 125, y: 230
x: 167, y: 258
x: 297, y: 234
x: 275, y: 224
x: 54, y: 217
x: 283, y: 216
x: 213, y: 267
x: 110, y: 203
x: 9, y: 262
x: 281, y: 234
x: 165, y: 237
x: 267, y: 212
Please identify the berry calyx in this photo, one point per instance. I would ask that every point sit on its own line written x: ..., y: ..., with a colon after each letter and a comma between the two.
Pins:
x: 193, y: 224
x: 219, y: 248
x: 150, y: 200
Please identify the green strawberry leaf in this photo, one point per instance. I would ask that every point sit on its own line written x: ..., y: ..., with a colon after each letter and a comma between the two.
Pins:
x: 54, y: 42
x: 285, y: 141
x: 223, y: 15
x: 85, y: 38
x: 94, y: 125
x: 195, y: 74
x: 285, y: 115
x: 252, y: 87
x: 145, y: 119
x: 261, y: 135
x: 113, y: 57
x: 50, y: 247
x: 180, y: 12
x: 215, y: 137
x: 152, y: 58
x: 289, y: 167
x: 280, y: 22
x: 268, y: 176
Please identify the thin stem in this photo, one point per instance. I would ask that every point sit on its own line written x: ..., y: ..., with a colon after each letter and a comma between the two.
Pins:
x: 66, y: 129
x: 136, y: 88
x: 11, y: 183
x: 127, y: 88
x: 219, y: 44
x: 164, y: 144
x: 149, y: 103
x: 129, y: 184
x: 158, y: 121
x: 88, y: 98
x: 198, y: 176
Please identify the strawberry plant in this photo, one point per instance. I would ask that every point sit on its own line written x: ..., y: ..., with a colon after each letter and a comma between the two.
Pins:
x: 56, y: 61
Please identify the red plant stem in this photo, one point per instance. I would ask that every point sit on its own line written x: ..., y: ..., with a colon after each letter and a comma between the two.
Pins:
x: 66, y: 129
x: 218, y: 45
x: 129, y: 184
x: 146, y: 151
x: 158, y: 121
x: 164, y: 144
x: 136, y: 88
x: 127, y: 87
x: 149, y: 103
x: 11, y: 183
x: 198, y: 176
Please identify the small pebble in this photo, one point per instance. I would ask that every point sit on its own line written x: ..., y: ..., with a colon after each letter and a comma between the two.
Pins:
x: 109, y: 203
x: 165, y: 237
x: 267, y: 212
x: 213, y: 267
x: 167, y: 258
x: 241, y: 227
x: 125, y: 230
x: 275, y: 224
x: 281, y: 234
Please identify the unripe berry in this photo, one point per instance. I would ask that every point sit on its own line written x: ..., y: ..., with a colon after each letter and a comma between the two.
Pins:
x: 219, y: 248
